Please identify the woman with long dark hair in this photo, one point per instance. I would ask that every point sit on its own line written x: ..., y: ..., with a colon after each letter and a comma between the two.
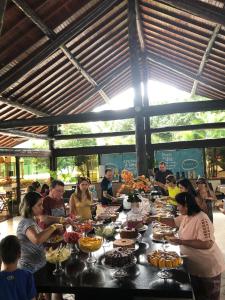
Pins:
x: 185, y: 185
x: 29, y: 233
x: 32, y: 237
x: 205, y: 197
x: 80, y: 201
x: 205, y: 261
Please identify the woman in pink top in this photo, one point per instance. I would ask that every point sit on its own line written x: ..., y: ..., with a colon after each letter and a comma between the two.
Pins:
x: 205, y: 261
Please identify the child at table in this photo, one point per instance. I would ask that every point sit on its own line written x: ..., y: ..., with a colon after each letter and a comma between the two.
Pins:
x: 15, y: 284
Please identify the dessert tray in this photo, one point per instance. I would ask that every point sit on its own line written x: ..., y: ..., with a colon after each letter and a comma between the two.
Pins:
x: 165, y: 261
x: 121, y: 260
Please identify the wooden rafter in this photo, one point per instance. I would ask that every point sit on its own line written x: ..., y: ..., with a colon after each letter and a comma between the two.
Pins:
x: 21, y: 133
x: 31, y: 14
x: 103, y: 84
x: 200, y: 9
x: 14, y: 103
x: 139, y: 26
x: 3, y: 4
x: 25, y: 66
x: 205, y: 57
x: 151, y: 56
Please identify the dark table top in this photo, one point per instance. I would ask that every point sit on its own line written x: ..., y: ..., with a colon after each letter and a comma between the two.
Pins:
x: 97, y: 282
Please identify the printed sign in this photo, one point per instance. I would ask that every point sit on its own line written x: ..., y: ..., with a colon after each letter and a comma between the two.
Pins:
x: 188, y: 162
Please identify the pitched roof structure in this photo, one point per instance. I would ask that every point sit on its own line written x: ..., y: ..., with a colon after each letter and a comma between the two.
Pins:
x: 67, y: 57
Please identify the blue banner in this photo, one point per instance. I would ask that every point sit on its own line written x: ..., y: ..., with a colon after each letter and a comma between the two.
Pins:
x: 188, y: 162
x: 119, y: 162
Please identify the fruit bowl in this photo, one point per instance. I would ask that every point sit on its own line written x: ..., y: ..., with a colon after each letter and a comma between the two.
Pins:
x: 106, y: 231
x: 57, y: 255
x: 71, y: 237
x: 90, y: 244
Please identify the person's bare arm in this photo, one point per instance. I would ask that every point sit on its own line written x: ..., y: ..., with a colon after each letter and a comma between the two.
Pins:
x: 41, y: 237
x: 197, y: 244
x: 48, y: 220
x: 160, y: 184
x: 107, y: 196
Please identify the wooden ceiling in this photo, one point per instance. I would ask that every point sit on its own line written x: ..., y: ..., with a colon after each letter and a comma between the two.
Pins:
x: 69, y: 56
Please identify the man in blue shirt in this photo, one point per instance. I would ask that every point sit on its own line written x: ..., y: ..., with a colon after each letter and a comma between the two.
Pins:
x: 15, y: 284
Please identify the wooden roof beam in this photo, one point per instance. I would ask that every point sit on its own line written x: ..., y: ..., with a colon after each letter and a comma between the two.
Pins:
x: 14, y: 103
x: 92, y: 135
x: 184, y: 107
x: 22, y: 152
x: 93, y: 150
x: 205, y: 58
x: 108, y: 115
x: 151, y: 56
x: 67, y: 119
x: 3, y: 4
x: 204, y: 143
x: 63, y: 37
x: 200, y: 9
x: 139, y: 27
x: 31, y: 14
x: 26, y: 134
x: 107, y: 80
x: 218, y: 125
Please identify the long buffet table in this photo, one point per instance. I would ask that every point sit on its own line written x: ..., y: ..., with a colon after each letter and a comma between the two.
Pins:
x: 98, y: 283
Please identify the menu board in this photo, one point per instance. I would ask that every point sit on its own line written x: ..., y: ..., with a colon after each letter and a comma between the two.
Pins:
x: 188, y: 162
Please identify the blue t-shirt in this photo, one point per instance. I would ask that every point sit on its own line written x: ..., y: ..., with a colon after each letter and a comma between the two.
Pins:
x: 17, y: 285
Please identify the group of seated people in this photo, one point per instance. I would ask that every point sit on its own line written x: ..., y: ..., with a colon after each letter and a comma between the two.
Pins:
x: 42, y: 217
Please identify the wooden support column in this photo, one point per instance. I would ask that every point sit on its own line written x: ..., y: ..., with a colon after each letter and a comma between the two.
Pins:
x: 18, y: 186
x: 136, y: 78
x: 149, y: 148
x: 53, y: 159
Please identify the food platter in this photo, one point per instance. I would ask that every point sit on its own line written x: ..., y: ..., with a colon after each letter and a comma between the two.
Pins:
x: 143, y: 228
x: 158, y: 240
x: 59, y: 254
x: 134, y: 261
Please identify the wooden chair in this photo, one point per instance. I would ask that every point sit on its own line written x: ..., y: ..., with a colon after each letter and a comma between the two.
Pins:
x: 3, y: 203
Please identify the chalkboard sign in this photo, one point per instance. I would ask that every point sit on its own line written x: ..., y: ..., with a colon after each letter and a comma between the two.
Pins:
x: 188, y: 162
x: 119, y: 162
